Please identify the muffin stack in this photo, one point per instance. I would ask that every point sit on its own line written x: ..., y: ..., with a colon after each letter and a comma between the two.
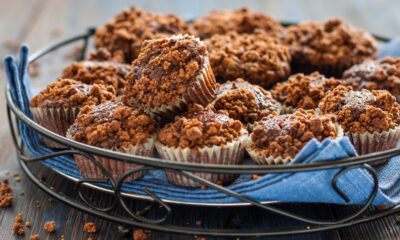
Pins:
x: 232, y: 81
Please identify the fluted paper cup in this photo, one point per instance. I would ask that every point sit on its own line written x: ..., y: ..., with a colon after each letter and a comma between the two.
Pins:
x: 230, y: 154
x: 201, y: 91
x: 260, y: 159
x: 115, y: 167
x: 55, y: 119
x: 367, y: 142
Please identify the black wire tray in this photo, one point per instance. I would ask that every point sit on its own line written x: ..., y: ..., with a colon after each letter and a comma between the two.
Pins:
x: 139, y: 219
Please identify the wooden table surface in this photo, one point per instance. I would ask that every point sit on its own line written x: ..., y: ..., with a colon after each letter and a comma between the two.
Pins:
x: 42, y: 22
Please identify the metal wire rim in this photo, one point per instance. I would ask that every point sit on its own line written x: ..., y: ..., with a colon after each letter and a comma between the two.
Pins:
x: 318, y: 225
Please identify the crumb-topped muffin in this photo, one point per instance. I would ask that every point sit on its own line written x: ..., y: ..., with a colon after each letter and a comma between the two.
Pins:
x: 169, y: 74
x: 243, y: 101
x: 303, y: 91
x: 375, y: 75
x: 278, y: 139
x: 57, y: 106
x: 255, y: 57
x: 330, y: 47
x: 104, y: 73
x: 204, y: 137
x: 117, y: 127
x: 241, y: 20
x: 370, y: 118
x: 123, y: 36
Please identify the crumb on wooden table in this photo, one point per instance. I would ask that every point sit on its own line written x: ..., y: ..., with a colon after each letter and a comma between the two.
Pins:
x: 90, y: 227
x: 28, y: 224
x: 50, y: 226
x: 140, y: 234
x: 17, y: 226
x: 6, y: 196
x: 34, y: 237
x: 5, y: 181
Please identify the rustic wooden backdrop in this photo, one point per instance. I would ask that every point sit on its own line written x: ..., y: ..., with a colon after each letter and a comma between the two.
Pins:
x: 42, y: 22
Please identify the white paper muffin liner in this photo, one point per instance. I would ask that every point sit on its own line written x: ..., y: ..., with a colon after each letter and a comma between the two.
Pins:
x: 365, y: 143
x: 260, y: 159
x: 55, y: 119
x: 201, y: 91
x: 115, y: 167
x: 230, y: 154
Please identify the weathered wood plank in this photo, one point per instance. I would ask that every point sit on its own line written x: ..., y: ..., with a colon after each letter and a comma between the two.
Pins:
x: 42, y: 22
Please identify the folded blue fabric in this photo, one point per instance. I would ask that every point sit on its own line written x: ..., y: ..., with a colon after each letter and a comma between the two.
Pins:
x: 314, y: 186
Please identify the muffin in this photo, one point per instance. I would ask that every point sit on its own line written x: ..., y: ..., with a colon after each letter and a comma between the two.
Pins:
x: 255, y: 57
x: 104, y: 73
x: 202, y: 137
x: 241, y: 20
x: 169, y: 74
x: 57, y: 106
x: 117, y: 127
x: 330, y: 47
x: 123, y: 36
x: 369, y: 118
x: 243, y: 101
x: 278, y: 139
x: 375, y: 75
x: 303, y: 91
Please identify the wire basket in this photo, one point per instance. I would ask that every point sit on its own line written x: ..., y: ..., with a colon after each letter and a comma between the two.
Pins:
x: 19, y: 119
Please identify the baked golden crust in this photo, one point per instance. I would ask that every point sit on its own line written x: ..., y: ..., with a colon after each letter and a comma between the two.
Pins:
x: 71, y: 93
x: 201, y: 127
x: 241, y: 20
x: 243, y: 101
x: 331, y: 44
x: 123, y: 36
x: 164, y: 71
x: 303, y: 91
x: 374, y: 75
x: 112, y: 125
x: 362, y: 111
x: 104, y: 73
x: 255, y: 57
x: 285, y: 135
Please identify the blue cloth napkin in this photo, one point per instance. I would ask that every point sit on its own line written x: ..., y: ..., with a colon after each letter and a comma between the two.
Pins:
x: 314, y: 186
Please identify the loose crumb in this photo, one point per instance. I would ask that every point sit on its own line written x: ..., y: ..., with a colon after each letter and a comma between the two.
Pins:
x: 22, y: 193
x: 50, y: 226
x: 17, y: 178
x: 28, y: 224
x: 6, y: 196
x: 90, y: 227
x: 34, y: 237
x: 140, y: 234
x: 5, y: 181
x: 17, y: 226
x: 198, y: 222
x: 90, y: 238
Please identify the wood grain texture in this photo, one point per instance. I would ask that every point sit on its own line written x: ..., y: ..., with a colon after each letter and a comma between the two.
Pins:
x: 42, y: 22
